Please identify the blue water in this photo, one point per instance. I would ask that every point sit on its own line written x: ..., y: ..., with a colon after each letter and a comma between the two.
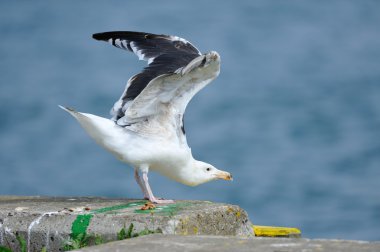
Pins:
x: 294, y: 114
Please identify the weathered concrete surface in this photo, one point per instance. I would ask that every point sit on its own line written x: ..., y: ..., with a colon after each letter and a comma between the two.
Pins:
x: 49, y: 222
x: 175, y: 243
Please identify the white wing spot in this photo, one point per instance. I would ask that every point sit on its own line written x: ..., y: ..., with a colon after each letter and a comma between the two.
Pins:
x: 124, y: 42
x: 150, y: 60
x: 137, y: 51
x: 118, y: 42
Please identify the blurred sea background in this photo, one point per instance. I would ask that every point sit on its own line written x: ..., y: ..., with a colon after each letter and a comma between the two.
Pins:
x: 294, y: 114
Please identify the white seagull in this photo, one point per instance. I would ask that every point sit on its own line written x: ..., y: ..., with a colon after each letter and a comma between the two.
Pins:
x: 146, y: 130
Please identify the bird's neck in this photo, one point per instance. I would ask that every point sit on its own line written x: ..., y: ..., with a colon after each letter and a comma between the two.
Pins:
x: 188, y: 174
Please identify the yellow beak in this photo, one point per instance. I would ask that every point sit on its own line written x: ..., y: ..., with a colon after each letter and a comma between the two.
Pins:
x: 224, y: 175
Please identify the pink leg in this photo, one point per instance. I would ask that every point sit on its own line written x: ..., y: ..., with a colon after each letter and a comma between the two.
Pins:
x: 150, y: 193
x: 138, y: 180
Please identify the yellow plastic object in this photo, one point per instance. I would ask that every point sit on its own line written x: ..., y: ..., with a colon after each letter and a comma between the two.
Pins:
x: 268, y: 231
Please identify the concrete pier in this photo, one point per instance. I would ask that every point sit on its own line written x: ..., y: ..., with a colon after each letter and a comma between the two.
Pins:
x: 68, y: 223
x: 56, y: 224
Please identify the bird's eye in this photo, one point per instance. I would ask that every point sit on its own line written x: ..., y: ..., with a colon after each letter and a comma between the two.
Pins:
x: 208, y: 169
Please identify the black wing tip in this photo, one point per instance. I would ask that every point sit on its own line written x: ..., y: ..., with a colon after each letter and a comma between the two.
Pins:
x: 104, y: 36
x: 111, y: 34
x: 97, y: 36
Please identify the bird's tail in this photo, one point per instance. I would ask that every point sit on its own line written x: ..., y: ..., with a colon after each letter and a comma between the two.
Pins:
x: 104, y: 131
x: 67, y: 109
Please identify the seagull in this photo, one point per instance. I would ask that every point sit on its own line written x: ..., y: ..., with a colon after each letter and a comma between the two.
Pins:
x: 147, y: 129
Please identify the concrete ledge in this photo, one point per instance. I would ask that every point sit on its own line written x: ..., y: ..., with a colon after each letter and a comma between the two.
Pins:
x: 52, y: 223
x: 175, y: 243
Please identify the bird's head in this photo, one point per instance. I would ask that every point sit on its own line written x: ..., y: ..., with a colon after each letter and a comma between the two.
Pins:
x: 202, y: 172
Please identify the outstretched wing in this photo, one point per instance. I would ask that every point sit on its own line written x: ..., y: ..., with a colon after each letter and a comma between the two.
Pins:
x: 174, y: 91
x: 163, y: 102
x: 165, y: 55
